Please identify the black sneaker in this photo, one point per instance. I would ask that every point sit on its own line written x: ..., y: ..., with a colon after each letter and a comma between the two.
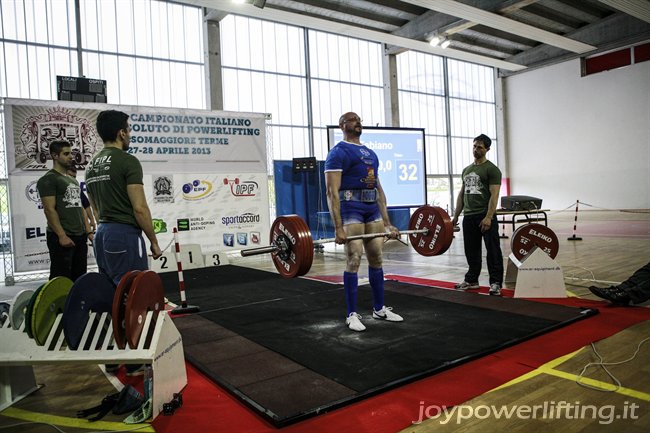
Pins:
x: 613, y: 294
x: 134, y: 369
x: 112, y: 368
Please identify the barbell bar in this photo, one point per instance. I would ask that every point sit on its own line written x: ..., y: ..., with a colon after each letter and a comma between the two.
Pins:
x: 430, y: 232
x: 274, y: 248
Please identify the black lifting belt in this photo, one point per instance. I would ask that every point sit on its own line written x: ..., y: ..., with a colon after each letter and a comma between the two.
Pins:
x: 121, y: 402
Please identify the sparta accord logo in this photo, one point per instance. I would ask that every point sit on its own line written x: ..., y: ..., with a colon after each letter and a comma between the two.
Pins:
x: 247, y: 188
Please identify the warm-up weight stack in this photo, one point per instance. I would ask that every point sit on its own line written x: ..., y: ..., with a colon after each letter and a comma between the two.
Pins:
x: 128, y: 304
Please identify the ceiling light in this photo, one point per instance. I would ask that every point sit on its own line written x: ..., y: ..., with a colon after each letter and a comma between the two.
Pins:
x: 435, y: 41
x: 445, y: 44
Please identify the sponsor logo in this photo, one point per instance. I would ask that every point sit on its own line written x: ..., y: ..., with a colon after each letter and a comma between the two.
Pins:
x: 183, y: 224
x: 34, y: 232
x: 197, y: 190
x: 57, y: 123
x: 255, y: 238
x: 31, y: 192
x: 238, y: 188
x: 242, y: 238
x: 159, y: 226
x: 193, y: 224
x: 245, y: 218
x: 228, y: 239
x: 163, y: 190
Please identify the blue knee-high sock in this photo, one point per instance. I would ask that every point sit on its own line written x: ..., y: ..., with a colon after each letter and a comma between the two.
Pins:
x: 350, y: 284
x: 376, y: 277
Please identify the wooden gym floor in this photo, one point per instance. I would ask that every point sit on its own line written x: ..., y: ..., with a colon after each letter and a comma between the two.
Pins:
x: 614, y: 244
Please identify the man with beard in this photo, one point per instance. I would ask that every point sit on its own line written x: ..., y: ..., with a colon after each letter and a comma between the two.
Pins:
x: 477, y: 200
x: 67, y: 228
x: 116, y: 193
x: 357, y: 205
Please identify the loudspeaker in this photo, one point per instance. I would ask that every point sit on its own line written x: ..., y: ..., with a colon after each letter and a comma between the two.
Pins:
x: 521, y: 202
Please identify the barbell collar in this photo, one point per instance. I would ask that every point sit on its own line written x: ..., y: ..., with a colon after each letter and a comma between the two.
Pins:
x: 261, y: 250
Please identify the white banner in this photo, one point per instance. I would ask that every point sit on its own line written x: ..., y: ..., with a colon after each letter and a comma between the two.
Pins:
x: 220, y: 212
x: 176, y: 137
x: 225, y: 207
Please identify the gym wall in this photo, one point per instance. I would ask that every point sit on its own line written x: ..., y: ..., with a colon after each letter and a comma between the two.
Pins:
x: 574, y: 138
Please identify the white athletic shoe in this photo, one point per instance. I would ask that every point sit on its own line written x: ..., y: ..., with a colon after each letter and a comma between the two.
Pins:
x: 354, y: 322
x: 386, y: 313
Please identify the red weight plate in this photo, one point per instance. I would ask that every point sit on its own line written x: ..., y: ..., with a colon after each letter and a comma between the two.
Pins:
x: 118, y: 311
x: 440, y: 233
x: 147, y: 294
x: 307, y: 247
x: 529, y: 235
x: 295, y: 257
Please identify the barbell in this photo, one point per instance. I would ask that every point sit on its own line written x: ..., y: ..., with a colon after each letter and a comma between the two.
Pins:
x: 430, y: 232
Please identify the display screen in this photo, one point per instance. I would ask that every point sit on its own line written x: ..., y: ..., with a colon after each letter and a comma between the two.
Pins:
x: 401, y: 155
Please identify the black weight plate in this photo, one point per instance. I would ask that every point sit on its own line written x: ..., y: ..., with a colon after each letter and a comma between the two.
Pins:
x: 91, y: 292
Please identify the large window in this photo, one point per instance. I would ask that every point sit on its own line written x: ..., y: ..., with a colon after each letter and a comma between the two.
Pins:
x: 263, y: 66
x: 453, y: 107
x: 150, y: 52
x: 345, y: 76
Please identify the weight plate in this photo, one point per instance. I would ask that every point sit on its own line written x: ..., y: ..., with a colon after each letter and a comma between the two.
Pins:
x: 440, y: 233
x: 91, y: 292
x: 118, y: 311
x: 4, y: 312
x: 530, y: 235
x: 296, y: 252
x: 307, y: 246
x: 49, y: 303
x: 19, y: 306
x: 29, y: 310
x: 147, y: 294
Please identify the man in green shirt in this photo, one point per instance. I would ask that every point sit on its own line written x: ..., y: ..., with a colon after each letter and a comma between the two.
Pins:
x: 477, y: 200
x: 67, y: 229
x: 116, y: 193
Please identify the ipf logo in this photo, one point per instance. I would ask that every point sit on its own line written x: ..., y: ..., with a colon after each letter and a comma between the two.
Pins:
x: 247, y: 188
x: 197, y: 190
x: 31, y: 192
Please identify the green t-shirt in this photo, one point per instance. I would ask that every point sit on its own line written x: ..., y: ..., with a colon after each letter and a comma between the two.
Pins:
x: 107, y: 176
x: 67, y: 193
x: 476, y: 181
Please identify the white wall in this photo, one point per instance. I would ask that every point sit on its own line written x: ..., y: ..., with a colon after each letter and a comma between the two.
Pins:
x: 574, y: 138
